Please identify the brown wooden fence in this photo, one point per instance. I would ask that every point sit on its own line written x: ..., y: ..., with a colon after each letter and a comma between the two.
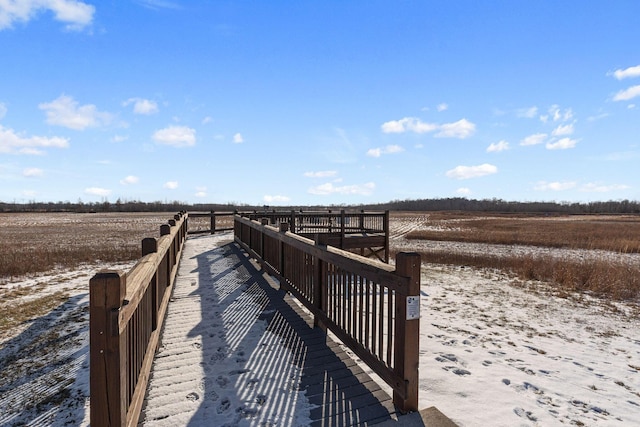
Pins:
x: 126, y: 316
x: 371, y: 306
x: 365, y: 232
x: 210, y: 222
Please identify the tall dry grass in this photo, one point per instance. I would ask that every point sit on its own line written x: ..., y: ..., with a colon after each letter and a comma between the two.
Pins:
x: 605, y: 277
x: 618, y: 234
x: 33, y: 243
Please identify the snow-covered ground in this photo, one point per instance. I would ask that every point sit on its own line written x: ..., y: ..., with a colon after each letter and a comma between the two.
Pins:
x: 494, y: 351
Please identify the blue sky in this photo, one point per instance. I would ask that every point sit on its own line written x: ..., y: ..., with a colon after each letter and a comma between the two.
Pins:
x: 319, y: 102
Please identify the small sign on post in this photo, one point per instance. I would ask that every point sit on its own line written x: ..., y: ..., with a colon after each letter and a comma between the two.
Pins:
x: 413, y: 307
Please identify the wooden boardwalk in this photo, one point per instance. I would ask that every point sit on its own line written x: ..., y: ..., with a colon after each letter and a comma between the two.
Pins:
x: 238, y: 351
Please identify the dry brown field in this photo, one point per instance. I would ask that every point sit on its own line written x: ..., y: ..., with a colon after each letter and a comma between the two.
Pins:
x: 598, y: 254
x: 39, y: 242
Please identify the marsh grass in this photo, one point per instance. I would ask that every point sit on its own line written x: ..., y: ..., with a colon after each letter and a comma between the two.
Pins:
x: 610, y: 233
x: 605, y: 277
x: 34, y: 243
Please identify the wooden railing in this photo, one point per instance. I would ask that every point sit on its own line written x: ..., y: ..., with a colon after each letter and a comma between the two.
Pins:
x: 363, y: 231
x: 370, y: 306
x: 309, y: 222
x: 126, y: 316
x: 210, y: 222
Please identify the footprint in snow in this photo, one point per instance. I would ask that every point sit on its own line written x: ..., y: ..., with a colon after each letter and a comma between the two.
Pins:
x: 193, y: 396
x: 457, y: 371
x: 525, y: 414
x: 447, y: 358
x: 222, y: 381
x: 224, y: 405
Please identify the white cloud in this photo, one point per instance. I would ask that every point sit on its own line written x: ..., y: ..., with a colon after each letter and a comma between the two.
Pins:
x: 320, y: 174
x: 159, y: 4
x: 238, y: 139
x: 32, y: 172
x: 65, y: 111
x: 206, y: 120
x: 171, y: 185
x: 466, y: 172
x: 142, y: 106
x: 528, y: 113
x: 534, y: 139
x: 599, y: 188
x: 442, y: 107
x: 119, y: 138
x: 562, y: 144
x: 13, y: 143
x: 627, y: 72
x: 461, y: 129
x: 3, y: 110
x: 389, y: 149
x: 627, y: 94
x: 201, y: 192
x: 563, y: 130
x: 131, y: 179
x: 408, y: 124
x: 329, y: 188
x: 76, y: 14
x: 463, y: 191
x: 176, y: 136
x: 277, y: 199
x: 554, y: 186
x: 496, y: 147
x: 557, y: 114
x: 97, y: 191
x: 597, y: 117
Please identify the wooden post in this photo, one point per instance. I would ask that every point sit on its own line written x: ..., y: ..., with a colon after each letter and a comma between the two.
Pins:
x: 386, y: 237
x: 108, y: 353
x: 149, y: 246
x: 319, y: 286
x: 213, y: 222
x: 407, y: 333
x: 292, y: 222
x: 264, y: 222
x: 284, y: 227
x: 342, y: 229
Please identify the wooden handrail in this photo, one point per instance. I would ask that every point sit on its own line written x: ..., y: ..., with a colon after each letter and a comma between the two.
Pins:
x: 126, y: 316
x: 369, y: 305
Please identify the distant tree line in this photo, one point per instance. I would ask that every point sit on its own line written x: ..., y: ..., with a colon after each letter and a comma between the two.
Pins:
x: 499, y: 205
x: 119, y: 206
x: 447, y: 204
